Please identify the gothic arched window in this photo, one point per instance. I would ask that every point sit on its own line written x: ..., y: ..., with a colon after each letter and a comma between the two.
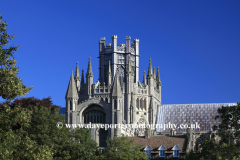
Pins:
x: 121, y: 74
x: 137, y: 103
x: 141, y: 103
x: 71, y: 106
x: 94, y: 114
x: 115, y: 104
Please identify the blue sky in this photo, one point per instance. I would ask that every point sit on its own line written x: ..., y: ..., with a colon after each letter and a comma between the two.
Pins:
x: 196, y: 44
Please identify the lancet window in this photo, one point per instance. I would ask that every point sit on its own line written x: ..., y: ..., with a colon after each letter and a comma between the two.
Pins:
x: 137, y: 103
x: 145, y: 104
x: 141, y: 103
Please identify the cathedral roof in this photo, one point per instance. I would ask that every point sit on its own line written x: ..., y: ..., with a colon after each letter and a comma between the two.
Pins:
x: 202, y: 114
x: 72, y: 89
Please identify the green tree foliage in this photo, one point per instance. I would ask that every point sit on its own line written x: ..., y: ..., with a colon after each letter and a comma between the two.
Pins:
x: 10, y: 84
x: 212, y: 149
x: 229, y: 129
x: 84, y: 147
x: 121, y: 148
x: 65, y: 143
x: 224, y: 144
x: 28, y: 126
x: 14, y: 143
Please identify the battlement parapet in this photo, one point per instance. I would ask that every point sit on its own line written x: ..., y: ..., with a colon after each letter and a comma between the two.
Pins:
x: 114, y: 36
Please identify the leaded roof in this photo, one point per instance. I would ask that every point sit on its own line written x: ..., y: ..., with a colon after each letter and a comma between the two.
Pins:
x: 202, y: 114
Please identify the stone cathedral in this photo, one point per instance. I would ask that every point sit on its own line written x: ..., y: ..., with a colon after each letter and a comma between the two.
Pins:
x: 119, y: 97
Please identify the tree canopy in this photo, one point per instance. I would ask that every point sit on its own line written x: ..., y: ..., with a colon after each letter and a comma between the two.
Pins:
x: 28, y: 125
x: 14, y: 143
x: 120, y: 148
x: 10, y: 84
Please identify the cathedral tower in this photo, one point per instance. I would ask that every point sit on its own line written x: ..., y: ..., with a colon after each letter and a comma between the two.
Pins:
x: 118, y: 55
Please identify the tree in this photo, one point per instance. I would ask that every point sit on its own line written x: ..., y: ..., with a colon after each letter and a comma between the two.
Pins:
x: 14, y: 144
x: 121, y: 148
x: 226, y: 147
x: 229, y: 129
x: 84, y: 147
x: 211, y: 149
x: 65, y: 143
x: 28, y: 125
x: 10, y: 84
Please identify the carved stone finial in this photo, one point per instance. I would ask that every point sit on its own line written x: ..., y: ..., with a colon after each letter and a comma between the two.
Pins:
x: 89, y: 58
x: 77, y: 62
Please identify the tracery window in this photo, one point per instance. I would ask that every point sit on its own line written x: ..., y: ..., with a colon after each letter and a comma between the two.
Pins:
x: 121, y: 74
x: 121, y: 59
x: 94, y: 116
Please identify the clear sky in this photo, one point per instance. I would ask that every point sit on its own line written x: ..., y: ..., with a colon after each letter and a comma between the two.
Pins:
x: 196, y: 44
